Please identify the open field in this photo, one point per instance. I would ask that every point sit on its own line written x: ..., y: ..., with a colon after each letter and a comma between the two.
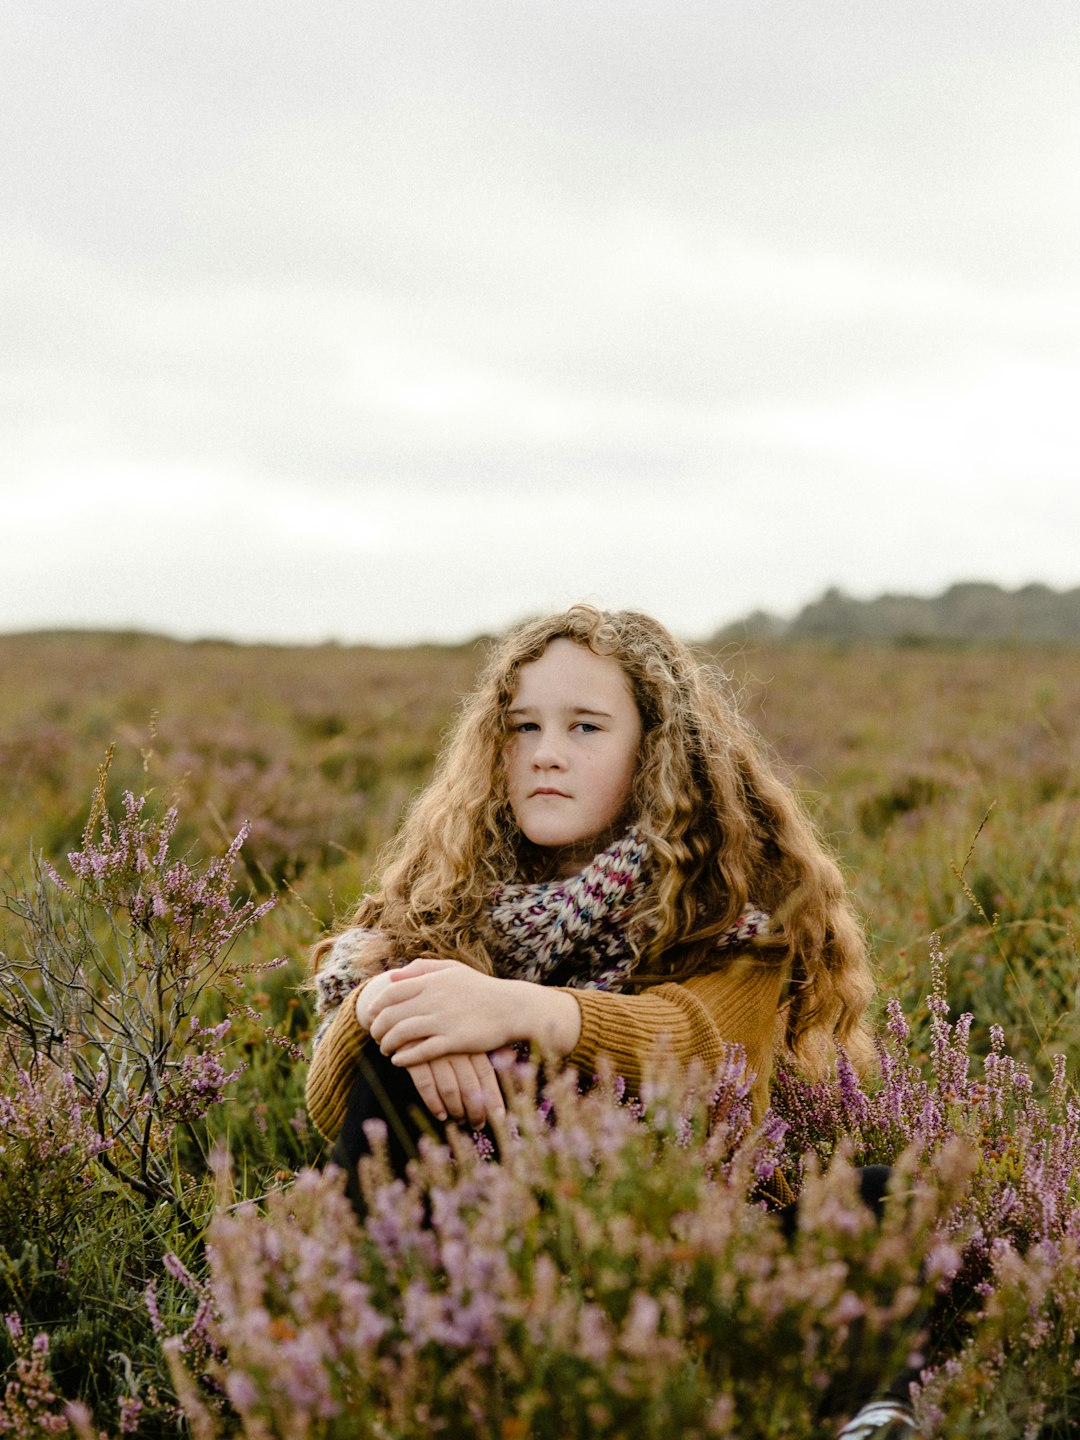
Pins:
x: 901, y: 753
x: 948, y: 780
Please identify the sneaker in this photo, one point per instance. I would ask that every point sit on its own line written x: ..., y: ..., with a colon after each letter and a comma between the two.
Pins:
x: 881, y: 1420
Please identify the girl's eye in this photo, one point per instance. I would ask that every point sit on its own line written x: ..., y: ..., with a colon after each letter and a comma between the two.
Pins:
x: 523, y: 726
x: 587, y: 727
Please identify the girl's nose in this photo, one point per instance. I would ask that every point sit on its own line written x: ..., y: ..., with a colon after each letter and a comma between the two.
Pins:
x: 548, y: 755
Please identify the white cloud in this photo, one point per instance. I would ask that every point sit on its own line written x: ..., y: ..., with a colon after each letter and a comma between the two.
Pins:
x: 999, y: 424
x: 417, y: 317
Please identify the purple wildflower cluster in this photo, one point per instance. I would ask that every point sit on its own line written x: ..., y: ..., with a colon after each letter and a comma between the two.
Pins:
x: 1028, y: 1183
x: 1011, y: 1244
x: 29, y: 1407
x: 48, y: 1143
x: 198, y: 1082
x: 192, y: 1354
x: 189, y: 911
x: 899, y: 1106
x: 604, y: 1278
x: 121, y: 964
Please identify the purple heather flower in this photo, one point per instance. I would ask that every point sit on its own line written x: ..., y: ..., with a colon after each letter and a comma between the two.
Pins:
x: 180, y: 1272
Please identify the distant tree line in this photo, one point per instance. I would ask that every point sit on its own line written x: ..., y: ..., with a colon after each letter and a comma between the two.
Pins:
x: 971, y: 611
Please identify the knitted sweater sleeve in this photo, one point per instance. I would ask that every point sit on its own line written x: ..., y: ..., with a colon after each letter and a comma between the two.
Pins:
x: 339, y: 1037
x: 688, y: 1020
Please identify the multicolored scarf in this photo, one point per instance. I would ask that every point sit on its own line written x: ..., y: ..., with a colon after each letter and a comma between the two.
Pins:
x: 573, y: 932
x: 576, y: 931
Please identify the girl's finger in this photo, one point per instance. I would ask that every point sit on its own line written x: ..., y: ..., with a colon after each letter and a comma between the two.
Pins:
x: 426, y: 965
x: 400, y: 1023
x: 473, y: 1090
x: 417, y: 1052
x: 449, y: 1089
x: 424, y: 1080
x: 489, y: 1084
x: 396, y: 1031
x: 396, y: 993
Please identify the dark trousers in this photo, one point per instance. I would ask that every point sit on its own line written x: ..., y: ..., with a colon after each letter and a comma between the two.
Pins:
x: 382, y: 1091
x: 873, y: 1187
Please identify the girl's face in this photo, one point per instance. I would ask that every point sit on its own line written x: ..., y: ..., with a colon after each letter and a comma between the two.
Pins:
x: 572, y: 754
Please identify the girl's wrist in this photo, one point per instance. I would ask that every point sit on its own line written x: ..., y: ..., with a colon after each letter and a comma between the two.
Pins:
x: 365, y: 994
x: 549, y: 1018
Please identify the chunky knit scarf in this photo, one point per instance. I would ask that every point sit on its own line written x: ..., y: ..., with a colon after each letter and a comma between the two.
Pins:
x: 573, y: 932
x: 576, y: 931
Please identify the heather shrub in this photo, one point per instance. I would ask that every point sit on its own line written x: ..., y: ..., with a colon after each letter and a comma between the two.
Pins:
x: 46, y: 1159
x: 119, y: 992
x: 616, y: 1272
x: 1002, y: 1348
x: 613, y: 1273
x: 1027, y: 1184
x: 114, y: 972
x: 1016, y: 1374
x: 29, y: 1407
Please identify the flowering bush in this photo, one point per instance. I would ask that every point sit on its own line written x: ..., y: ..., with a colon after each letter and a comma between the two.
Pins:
x: 616, y: 1272
x: 115, y: 1064
x: 1027, y: 1185
x: 613, y: 1273
x: 30, y: 1407
x: 115, y: 972
x: 50, y: 1141
x: 1006, y: 1326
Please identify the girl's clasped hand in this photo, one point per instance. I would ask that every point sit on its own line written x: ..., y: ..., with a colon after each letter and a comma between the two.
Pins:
x: 446, y: 1023
x: 432, y: 1008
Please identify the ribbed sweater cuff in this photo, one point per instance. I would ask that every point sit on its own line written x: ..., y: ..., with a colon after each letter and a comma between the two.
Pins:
x: 632, y: 1031
x: 333, y: 1069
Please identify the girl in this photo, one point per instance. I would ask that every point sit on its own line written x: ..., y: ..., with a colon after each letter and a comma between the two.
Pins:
x: 604, y: 866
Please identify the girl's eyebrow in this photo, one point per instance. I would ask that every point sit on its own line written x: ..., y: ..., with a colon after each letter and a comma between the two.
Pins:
x: 570, y: 710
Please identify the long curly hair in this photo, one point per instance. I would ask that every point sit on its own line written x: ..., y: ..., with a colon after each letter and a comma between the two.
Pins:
x: 724, y: 831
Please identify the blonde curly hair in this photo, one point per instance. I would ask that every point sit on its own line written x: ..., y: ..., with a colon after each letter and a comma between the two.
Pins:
x: 723, y: 829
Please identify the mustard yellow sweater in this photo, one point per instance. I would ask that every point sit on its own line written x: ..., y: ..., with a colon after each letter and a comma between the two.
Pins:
x: 688, y: 1020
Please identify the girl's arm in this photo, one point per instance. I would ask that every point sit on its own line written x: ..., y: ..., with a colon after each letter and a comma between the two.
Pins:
x: 456, y: 1087
x: 694, y: 1019
x: 334, y: 1062
x: 460, y: 1087
x: 431, y: 1007
x: 436, y: 1007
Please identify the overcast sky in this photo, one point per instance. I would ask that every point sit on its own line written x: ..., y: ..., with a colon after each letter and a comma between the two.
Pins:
x: 380, y: 320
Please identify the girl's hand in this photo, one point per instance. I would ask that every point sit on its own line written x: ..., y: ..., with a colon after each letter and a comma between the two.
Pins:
x: 431, y: 1008
x: 460, y: 1087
